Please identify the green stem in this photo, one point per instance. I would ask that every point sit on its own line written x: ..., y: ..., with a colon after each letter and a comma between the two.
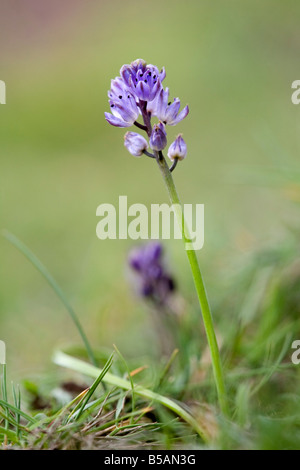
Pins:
x: 199, y: 284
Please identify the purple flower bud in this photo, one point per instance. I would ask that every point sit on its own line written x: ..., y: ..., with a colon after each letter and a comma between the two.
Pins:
x: 158, y: 139
x: 177, y: 149
x: 135, y: 143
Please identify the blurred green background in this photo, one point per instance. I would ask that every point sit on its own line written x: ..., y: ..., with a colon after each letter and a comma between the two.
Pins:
x: 233, y: 62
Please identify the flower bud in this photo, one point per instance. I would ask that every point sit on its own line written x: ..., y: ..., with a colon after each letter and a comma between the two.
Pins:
x: 135, y: 143
x: 177, y: 149
x: 158, y: 139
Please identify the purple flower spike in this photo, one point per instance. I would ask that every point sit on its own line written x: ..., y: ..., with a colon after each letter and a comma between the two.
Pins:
x: 158, y: 139
x: 135, y: 143
x: 177, y: 149
x: 166, y: 111
x: 138, y: 93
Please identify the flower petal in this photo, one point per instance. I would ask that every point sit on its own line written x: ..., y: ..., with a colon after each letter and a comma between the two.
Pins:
x: 142, y: 91
x: 183, y: 114
x: 162, y: 74
x: 172, y: 111
x: 115, y: 121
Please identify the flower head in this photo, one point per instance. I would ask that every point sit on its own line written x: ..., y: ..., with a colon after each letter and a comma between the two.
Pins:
x: 135, y: 143
x: 177, y: 149
x: 166, y: 111
x: 138, y: 92
x: 158, y: 138
x: 153, y: 280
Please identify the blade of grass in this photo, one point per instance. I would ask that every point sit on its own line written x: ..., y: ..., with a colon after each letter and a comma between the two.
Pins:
x: 5, y: 405
x: 17, y: 401
x: 13, y: 422
x: 166, y: 368
x: 128, y: 427
x: 273, y: 369
x: 11, y: 435
x: 130, y: 378
x: 120, y: 404
x: 51, y: 281
x: 46, y: 420
x: 4, y: 393
x: 82, y: 404
x: 64, y: 360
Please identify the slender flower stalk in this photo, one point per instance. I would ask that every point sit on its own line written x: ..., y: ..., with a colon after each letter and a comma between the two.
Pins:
x: 199, y: 284
x: 142, y: 83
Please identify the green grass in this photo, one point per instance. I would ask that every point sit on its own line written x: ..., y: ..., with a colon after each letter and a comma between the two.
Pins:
x: 151, y: 408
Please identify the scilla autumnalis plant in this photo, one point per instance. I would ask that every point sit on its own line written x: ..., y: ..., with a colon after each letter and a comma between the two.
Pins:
x: 138, y: 93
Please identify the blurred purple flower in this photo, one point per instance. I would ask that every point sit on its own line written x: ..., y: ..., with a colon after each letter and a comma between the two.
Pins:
x: 153, y: 280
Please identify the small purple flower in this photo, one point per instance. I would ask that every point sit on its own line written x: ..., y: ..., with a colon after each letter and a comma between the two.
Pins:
x: 135, y: 143
x: 166, y: 111
x: 153, y: 280
x: 177, y: 149
x: 143, y: 80
x: 122, y: 104
x: 158, y: 138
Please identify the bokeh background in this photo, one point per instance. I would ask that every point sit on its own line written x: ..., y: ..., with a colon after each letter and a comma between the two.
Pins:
x: 233, y: 62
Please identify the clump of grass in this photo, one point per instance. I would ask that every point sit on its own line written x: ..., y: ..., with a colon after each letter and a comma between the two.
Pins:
x: 132, y: 405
